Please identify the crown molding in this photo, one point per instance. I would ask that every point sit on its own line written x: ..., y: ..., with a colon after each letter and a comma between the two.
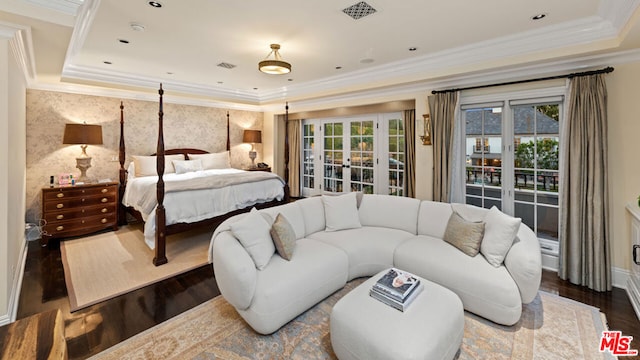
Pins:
x: 19, y: 37
x: 69, y: 7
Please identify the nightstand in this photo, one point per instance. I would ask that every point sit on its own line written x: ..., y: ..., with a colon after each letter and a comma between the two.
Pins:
x: 78, y: 210
x: 267, y: 169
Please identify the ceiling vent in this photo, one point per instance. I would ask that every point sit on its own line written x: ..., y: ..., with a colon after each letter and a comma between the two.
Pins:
x: 359, y: 10
x: 226, y: 65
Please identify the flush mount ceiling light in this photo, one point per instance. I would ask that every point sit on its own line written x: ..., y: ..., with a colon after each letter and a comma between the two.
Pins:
x: 275, y: 65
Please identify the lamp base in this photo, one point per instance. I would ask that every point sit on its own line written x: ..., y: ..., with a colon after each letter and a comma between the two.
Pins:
x: 83, y: 163
x: 252, y: 156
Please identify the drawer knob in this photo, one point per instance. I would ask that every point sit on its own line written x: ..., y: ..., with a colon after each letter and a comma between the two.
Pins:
x: 104, y: 200
x: 104, y: 221
x: 60, y: 217
x: 104, y: 210
x: 82, y: 200
x: 104, y: 190
x: 60, y: 228
x: 60, y: 206
x: 60, y: 195
x: 83, y: 221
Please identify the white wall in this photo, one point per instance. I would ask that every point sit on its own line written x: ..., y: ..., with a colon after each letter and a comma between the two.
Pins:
x: 12, y: 178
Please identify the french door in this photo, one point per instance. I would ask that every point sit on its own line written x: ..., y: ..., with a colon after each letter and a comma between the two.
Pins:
x: 343, y: 155
x: 512, y: 161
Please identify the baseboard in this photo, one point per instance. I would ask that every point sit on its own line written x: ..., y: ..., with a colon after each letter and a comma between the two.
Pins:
x: 16, y: 287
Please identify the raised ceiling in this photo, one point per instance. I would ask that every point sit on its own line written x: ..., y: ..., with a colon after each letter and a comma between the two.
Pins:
x: 183, y: 42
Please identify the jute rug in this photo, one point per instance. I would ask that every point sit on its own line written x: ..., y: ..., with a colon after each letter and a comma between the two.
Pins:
x: 103, y: 266
x: 551, y: 327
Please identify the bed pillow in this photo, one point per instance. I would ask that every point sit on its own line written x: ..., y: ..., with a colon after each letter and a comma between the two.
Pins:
x: 213, y: 161
x: 464, y: 235
x: 146, y: 165
x: 500, y: 231
x: 185, y: 166
x: 253, y: 233
x: 284, y: 237
x: 341, y: 212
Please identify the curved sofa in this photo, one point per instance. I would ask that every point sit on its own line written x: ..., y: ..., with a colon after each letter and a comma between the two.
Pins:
x: 395, y: 231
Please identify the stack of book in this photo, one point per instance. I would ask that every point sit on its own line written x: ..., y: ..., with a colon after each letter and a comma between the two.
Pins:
x: 396, y: 288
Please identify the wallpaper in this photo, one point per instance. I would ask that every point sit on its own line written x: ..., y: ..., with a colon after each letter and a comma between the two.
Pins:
x: 185, y: 126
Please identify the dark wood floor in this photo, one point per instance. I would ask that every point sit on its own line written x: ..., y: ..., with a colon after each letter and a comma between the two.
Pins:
x: 100, y: 326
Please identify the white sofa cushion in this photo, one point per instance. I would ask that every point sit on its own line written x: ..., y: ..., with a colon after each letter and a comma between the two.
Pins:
x: 433, y: 217
x: 370, y: 249
x: 293, y: 214
x: 499, y: 233
x: 483, y: 289
x: 236, y: 273
x: 341, y: 212
x: 253, y: 233
x: 313, y: 214
x: 394, y: 212
x: 286, y: 289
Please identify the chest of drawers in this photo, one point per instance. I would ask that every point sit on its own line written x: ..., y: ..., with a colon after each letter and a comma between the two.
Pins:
x: 79, y: 210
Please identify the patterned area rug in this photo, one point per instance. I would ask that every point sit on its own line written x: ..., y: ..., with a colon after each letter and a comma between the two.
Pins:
x: 551, y: 327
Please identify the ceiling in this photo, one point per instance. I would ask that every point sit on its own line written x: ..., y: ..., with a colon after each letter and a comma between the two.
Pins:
x: 79, y: 42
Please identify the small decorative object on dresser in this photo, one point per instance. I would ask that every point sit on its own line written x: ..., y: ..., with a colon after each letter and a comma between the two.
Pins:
x: 78, y: 210
x: 261, y: 167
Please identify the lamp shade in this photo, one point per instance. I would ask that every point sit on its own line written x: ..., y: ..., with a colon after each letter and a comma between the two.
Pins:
x: 82, y: 134
x: 252, y: 136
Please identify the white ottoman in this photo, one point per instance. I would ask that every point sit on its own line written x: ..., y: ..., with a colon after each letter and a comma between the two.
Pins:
x: 364, y: 328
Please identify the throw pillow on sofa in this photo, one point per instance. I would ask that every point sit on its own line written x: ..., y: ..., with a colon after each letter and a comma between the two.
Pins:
x: 284, y: 237
x: 341, y: 212
x: 253, y: 233
x: 499, y: 233
x: 464, y: 235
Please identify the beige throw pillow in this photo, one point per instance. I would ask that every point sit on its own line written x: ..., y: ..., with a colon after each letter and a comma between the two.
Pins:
x: 464, y: 235
x: 284, y: 237
x: 501, y: 230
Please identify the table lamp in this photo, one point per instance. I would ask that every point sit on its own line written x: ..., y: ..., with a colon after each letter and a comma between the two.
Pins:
x: 253, y: 137
x: 83, y: 135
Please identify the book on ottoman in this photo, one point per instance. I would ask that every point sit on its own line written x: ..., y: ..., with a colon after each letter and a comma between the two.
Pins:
x: 402, y: 306
x: 396, y: 284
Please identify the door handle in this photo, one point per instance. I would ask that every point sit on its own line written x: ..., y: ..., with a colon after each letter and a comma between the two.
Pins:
x: 346, y: 166
x: 635, y: 254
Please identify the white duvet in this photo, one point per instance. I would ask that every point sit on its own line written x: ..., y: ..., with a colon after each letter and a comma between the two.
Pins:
x: 195, y: 205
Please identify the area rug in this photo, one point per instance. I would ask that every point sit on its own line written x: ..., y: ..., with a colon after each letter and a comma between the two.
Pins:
x: 551, y: 327
x: 103, y: 266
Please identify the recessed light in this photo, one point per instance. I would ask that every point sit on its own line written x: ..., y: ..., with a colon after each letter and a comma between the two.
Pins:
x: 366, y: 61
x: 289, y: 79
x: 255, y: 88
x: 107, y: 62
x: 413, y: 48
x: 155, y: 4
x: 220, y: 82
x: 169, y: 73
x: 338, y: 67
x: 137, y: 27
x: 539, y: 16
x: 123, y: 41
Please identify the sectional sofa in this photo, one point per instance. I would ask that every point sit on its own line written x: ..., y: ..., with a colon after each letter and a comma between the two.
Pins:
x: 332, y: 240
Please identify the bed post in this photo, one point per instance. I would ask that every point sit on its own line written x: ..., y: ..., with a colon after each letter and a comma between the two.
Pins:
x: 122, y: 211
x: 160, y: 251
x: 228, y: 140
x: 286, y: 152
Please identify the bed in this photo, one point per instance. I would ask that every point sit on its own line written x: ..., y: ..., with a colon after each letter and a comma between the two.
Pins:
x: 189, y: 188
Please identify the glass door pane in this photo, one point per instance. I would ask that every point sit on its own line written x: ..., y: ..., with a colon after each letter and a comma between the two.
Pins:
x: 333, y: 160
x: 396, y: 157
x: 536, y: 160
x: 483, y: 150
x: 308, y: 176
x: 362, y: 156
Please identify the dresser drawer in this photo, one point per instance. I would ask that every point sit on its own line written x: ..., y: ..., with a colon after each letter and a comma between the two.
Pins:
x: 71, y: 192
x: 75, y: 202
x: 79, y: 226
x: 69, y: 214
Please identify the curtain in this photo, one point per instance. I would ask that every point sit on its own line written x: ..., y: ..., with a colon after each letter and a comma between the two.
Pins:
x: 585, y: 255
x: 442, y: 108
x: 294, y: 157
x: 409, y: 118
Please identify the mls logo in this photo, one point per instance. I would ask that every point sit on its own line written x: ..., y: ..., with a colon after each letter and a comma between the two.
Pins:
x: 617, y: 344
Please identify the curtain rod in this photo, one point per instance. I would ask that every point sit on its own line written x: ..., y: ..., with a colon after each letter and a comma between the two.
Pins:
x: 606, y: 70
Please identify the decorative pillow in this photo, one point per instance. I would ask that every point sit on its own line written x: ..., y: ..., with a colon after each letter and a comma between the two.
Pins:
x: 341, y: 212
x: 213, y: 161
x: 253, y: 233
x: 464, y: 235
x: 131, y: 171
x: 185, y: 166
x: 284, y: 237
x: 146, y: 165
x: 500, y: 231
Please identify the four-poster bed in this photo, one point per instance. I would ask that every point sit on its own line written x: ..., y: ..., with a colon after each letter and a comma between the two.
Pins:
x: 201, y: 197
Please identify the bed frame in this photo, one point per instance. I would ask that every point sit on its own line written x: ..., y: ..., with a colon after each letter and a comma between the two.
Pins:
x: 162, y: 229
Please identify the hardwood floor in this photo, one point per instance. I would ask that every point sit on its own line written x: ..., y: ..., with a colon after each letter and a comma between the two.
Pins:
x: 103, y: 325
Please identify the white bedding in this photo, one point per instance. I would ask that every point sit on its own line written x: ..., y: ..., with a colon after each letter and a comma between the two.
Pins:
x: 195, y: 205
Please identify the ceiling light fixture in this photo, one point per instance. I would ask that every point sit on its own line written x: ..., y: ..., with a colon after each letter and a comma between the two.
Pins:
x: 539, y: 16
x: 155, y: 4
x: 277, y: 66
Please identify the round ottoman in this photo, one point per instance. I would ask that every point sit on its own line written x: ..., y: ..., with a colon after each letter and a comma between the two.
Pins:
x: 432, y: 326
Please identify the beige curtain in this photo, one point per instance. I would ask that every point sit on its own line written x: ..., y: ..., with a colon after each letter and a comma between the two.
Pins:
x: 585, y: 255
x: 294, y: 157
x: 442, y: 108
x: 409, y: 118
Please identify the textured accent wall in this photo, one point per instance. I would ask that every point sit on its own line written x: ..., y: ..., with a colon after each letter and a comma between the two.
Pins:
x: 185, y: 126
